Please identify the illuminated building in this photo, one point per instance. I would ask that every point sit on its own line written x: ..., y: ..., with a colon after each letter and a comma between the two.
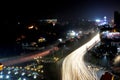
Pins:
x: 53, y: 21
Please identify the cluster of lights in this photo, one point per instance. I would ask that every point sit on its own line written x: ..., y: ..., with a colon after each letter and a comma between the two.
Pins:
x: 32, y: 27
x: 56, y: 58
x: 45, y: 60
x: 101, y: 21
x: 20, y: 73
x: 41, y: 39
x: 73, y: 34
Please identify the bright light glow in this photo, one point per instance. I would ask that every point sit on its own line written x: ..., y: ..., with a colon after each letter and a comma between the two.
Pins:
x: 1, y: 76
x: 30, y: 27
x: 60, y: 40
x: 41, y: 39
x: 23, y: 74
x: 76, y: 34
x: 16, y: 73
x: 9, y: 72
x: 80, y: 32
x: 7, y: 76
x: 42, y: 71
x: 97, y: 20
x: 105, y: 17
x: 74, y: 66
x: 73, y: 33
x: 53, y: 24
x: 34, y: 76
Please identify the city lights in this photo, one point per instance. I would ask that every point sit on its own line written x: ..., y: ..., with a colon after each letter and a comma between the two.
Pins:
x: 63, y: 38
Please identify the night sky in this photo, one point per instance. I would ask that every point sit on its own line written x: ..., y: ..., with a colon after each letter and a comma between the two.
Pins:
x: 69, y: 8
x: 90, y: 9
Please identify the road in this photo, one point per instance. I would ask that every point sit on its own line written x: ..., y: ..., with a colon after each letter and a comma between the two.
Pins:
x: 75, y: 68
x: 21, y: 59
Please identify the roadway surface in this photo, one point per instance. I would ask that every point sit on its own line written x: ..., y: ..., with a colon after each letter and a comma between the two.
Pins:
x: 21, y: 59
x: 75, y: 68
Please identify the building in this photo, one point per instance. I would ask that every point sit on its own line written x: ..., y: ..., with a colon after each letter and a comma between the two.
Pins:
x: 117, y: 20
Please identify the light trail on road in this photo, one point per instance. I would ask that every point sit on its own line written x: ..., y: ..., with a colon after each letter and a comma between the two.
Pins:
x: 21, y: 59
x: 74, y: 66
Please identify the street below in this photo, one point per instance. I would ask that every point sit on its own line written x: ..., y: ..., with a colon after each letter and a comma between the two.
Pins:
x: 75, y: 68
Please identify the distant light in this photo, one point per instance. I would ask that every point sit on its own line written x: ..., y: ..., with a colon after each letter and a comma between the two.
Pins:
x: 23, y: 74
x: 9, y: 72
x: 105, y: 17
x: 41, y: 39
x: 80, y: 32
x: 76, y: 34
x: 7, y: 76
x: 30, y: 27
x: 16, y: 73
x: 35, y: 76
x: 60, y: 40
x: 97, y: 20
x: 18, y: 22
x: 42, y: 71
x: 118, y: 49
x: 53, y: 24
x: 1, y: 76
x: 24, y: 79
x: 112, y: 20
x: 73, y: 33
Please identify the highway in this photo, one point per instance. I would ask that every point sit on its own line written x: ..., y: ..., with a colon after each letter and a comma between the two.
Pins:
x: 21, y: 59
x: 75, y: 68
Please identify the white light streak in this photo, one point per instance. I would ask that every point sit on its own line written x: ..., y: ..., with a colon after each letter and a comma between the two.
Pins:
x: 75, y: 68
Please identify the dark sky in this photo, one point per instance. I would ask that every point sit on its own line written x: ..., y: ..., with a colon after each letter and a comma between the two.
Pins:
x: 73, y: 8
x: 62, y: 8
x: 90, y: 8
